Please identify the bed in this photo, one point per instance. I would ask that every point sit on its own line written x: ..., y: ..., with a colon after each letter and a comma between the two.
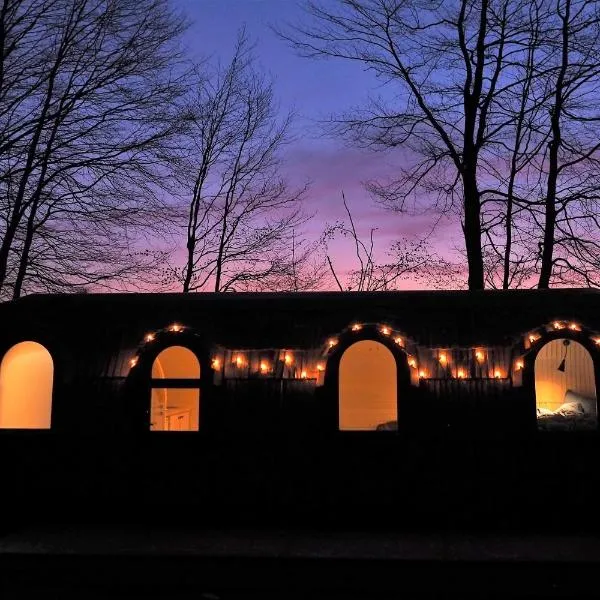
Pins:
x: 577, y: 413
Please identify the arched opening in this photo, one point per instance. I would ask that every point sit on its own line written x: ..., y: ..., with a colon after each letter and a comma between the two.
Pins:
x: 368, y: 382
x: 26, y: 375
x: 175, y: 397
x: 565, y: 387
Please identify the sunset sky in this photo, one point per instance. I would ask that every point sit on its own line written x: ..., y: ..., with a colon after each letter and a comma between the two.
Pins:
x: 315, y: 90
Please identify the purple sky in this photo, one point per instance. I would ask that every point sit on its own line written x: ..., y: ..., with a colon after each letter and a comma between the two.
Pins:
x: 314, y: 89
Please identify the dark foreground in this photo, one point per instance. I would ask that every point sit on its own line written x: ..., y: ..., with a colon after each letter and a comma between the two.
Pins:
x: 101, y: 562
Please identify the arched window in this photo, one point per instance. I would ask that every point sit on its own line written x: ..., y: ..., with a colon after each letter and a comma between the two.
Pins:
x: 26, y: 375
x: 368, y: 387
x: 175, y: 401
x: 565, y: 387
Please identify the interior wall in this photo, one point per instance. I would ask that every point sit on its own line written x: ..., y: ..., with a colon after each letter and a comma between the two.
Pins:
x: 26, y: 375
x: 367, y: 386
x: 552, y: 384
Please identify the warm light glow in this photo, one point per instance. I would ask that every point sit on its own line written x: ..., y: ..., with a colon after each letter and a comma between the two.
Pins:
x: 558, y: 325
x: 26, y: 375
x: 497, y: 374
x: 288, y: 358
x: 385, y: 330
x: 176, y: 362
x: 216, y: 364
x: 320, y: 367
x: 479, y: 355
x: 443, y: 358
x: 520, y: 365
x: 412, y: 362
x: 398, y: 341
x: 597, y: 341
x: 175, y: 328
x: 239, y: 361
x: 422, y: 374
x: 356, y: 327
x: 533, y: 338
x: 461, y: 374
x: 149, y: 337
x: 332, y: 342
x: 303, y: 374
x: 264, y: 366
x: 574, y: 327
x: 133, y: 361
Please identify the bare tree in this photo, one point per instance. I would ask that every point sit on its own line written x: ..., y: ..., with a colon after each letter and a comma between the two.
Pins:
x: 451, y: 66
x: 243, y: 216
x: 407, y: 259
x: 85, y: 91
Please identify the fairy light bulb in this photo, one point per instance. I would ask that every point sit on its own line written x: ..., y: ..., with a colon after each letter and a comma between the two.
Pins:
x: 239, y: 361
x: 216, y: 364
x: 479, y: 355
x: 533, y: 338
x: 497, y: 374
x: 443, y: 358
x: 320, y: 367
x: 175, y: 328
x: 574, y: 327
x: 356, y: 327
x: 558, y: 325
x: 264, y: 366
x: 331, y: 342
x: 412, y: 362
x: 519, y: 364
x: 422, y: 374
x: 385, y: 330
x: 288, y: 358
x: 149, y: 337
x: 303, y: 374
x: 133, y: 361
x: 461, y: 373
x: 398, y: 340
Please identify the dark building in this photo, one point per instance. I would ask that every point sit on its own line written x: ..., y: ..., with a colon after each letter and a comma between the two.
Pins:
x: 412, y: 409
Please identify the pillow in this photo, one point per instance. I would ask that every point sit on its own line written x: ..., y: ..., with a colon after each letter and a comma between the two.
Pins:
x: 588, y: 404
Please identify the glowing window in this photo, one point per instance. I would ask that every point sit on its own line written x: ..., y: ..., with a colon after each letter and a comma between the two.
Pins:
x: 175, y: 397
x: 368, y: 388
x: 565, y: 387
x: 26, y: 375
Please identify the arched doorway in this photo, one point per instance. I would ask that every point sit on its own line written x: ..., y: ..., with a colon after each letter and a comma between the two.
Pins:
x: 565, y: 386
x: 175, y: 397
x: 368, y: 384
x: 26, y: 376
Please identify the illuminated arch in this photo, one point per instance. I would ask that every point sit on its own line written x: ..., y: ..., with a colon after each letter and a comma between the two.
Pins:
x: 555, y: 386
x: 175, y: 391
x: 26, y: 377
x: 368, y: 383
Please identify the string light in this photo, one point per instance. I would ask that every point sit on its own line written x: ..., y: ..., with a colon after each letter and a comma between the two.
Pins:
x: 264, y: 366
x: 443, y: 358
x: 412, y: 362
x: 497, y: 374
x: 398, y: 340
x: 574, y: 327
x: 385, y: 330
x: 356, y: 327
x: 332, y: 342
x: 175, y: 328
x: 303, y: 374
x: 533, y: 338
x: 288, y: 359
x: 558, y: 325
x: 479, y: 355
x: 422, y: 374
x: 597, y: 341
x: 520, y: 365
x: 461, y: 373
x: 133, y: 361
x: 216, y: 364
x: 320, y: 367
x: 149, y: 337
x: 239, y: 361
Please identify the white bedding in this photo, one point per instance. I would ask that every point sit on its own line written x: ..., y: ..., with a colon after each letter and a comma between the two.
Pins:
x: 578, y: 414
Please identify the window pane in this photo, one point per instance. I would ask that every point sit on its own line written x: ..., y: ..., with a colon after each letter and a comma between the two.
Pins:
x: 26, y: 376
x: 174, y: 409
x: 565, y: 396
x: 176, y: 362
x: 368, y: 388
